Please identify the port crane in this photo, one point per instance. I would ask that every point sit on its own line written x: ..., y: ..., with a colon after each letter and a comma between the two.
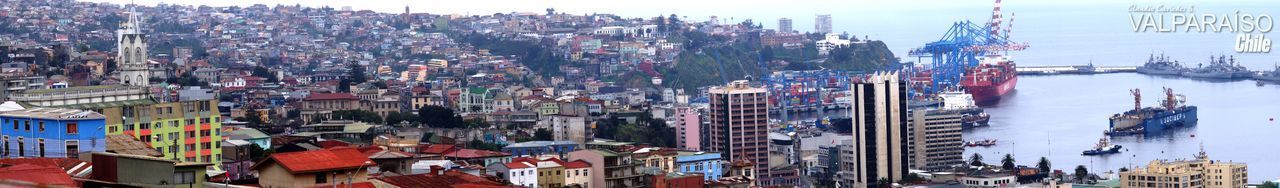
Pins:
x: 959, y: 49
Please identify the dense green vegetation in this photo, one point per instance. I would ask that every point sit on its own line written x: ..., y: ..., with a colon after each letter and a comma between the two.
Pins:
x: 697, y: 67
x: 645, y: 130
x: 531, y: 54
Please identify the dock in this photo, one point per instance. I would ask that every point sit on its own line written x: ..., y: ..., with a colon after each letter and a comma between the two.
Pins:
x: 1073, y: 69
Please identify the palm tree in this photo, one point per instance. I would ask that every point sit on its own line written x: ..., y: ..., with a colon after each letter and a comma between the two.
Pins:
x: 1043, y: 165
x: 976, y: 160
x: 1081, y: 173
x: 1007, y: 162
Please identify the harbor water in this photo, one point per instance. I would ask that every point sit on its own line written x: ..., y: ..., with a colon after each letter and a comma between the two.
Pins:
x: 1059, y: 116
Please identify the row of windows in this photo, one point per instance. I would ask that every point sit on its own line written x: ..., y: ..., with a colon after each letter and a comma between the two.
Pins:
x: 72, y: 148
x: 173, y: 123
x: 72, y: 128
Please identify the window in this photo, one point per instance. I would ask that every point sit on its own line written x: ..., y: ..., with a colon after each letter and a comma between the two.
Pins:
x: 73, y: 148
x: 322, y: 178
x: 174, y: 123
x: 173, y: 149
x: 22, y: 144
x: 128, y: 127
x: 41, y: 149
x: 26, y: 125
x: 184, y: 177
x: 174, y: 135
x: 144, y: 138
x: 112, y: 129
x: 205, y: 145
x: 144, y: 126
x: 191, y: 134
x: 73, y: 128
x: 206, y: 159
x: 41, y: 123
x: 6, y: 147
x: 191, y: 122
x: 204, y: 133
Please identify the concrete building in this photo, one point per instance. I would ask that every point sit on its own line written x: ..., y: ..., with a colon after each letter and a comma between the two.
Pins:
x: 740, y: 124
x: 688, y: 128
x: 612, y: 169
x: 338, y: 166
x: 577, y: 173
x: 822, y: 23
x: 706, y: 163
x: 84, y: 95
x: 186, y: 129
x: 829, y: 42
x: 144, y: 171
x: 536, y: 148
x: 937, y: 141
x: 51, y: 132
x: 784, y: 25
x: 321, y: 105
x: 879, y: 113
x: 571, y: 128
x: 1198, y: 172
x: 519, y: 173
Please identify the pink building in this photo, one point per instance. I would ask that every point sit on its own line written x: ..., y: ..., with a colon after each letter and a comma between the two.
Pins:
x: 688, y: 129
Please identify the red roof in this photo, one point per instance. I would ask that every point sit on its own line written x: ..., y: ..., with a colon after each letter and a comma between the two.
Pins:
x: 69, y: 165
x: 318, y: 160
x: 331, y: 96
x: 332, y: 143
x: 451, y: 178
x: 577, y: 164
x: 353, y: 185
x: 474, y: 153
x: 518, y: 164
x: 439, y: 149
x: 36, y: 174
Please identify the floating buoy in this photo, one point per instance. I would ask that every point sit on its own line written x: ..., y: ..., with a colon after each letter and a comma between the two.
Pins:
x: 1193, y: 135
x: 1272, y: 119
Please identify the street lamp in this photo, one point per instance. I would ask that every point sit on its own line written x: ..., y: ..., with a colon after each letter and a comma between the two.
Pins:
x: 349, y: 174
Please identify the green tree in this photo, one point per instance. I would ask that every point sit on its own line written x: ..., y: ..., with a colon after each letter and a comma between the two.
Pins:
x: 1269, y: 184
x: 542, y: 134
x: 1081, y: 173
x: 1043, y: 165
x: 1007, y: 162
x: 976, y: 160
x: 263, y: 72
x: 356, y: 73
x: 344, y: 86
x: 440, y: 117
x: 884, y: 183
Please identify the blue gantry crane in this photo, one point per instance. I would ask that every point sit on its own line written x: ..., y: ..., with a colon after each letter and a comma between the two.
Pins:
x: 960, y: 48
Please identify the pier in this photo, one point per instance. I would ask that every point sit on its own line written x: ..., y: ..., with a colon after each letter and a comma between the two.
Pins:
x: 1073, y: 69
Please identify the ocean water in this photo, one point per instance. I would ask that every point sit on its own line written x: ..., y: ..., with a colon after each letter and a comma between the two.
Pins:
x: 1059, y: 116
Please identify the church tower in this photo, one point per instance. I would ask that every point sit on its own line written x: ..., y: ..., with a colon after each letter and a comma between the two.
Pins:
x: 131, y: 55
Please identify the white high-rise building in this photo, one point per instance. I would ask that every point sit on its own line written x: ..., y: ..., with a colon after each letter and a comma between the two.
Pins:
x: 131, y: 54
x: 822, y: 23
x: 784, y: 25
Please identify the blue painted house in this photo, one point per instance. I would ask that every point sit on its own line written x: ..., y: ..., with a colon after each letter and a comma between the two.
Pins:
x: 707, y: 163
x: 534, y: 148
x: 51, y: 133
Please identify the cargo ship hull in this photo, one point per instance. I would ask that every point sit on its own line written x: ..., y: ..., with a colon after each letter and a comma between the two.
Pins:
x: 990, y: 93
x: 1154, y: 120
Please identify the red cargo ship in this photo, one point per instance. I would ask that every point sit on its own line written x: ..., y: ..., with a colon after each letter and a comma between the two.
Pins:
x: 995, y: 76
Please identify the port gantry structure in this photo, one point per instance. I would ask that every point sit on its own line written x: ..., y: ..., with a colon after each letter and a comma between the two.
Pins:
x: 959, y: 49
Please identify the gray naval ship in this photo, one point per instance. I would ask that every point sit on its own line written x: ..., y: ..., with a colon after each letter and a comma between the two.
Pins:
x: 1273, y: 75
x: 1161, y: 65
x: 1219, y: 68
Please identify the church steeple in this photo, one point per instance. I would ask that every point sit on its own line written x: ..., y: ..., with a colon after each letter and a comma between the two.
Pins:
x: 131, y: 53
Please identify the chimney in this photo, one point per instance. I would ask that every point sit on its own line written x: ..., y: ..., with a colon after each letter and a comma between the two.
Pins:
x: 437, y: 170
